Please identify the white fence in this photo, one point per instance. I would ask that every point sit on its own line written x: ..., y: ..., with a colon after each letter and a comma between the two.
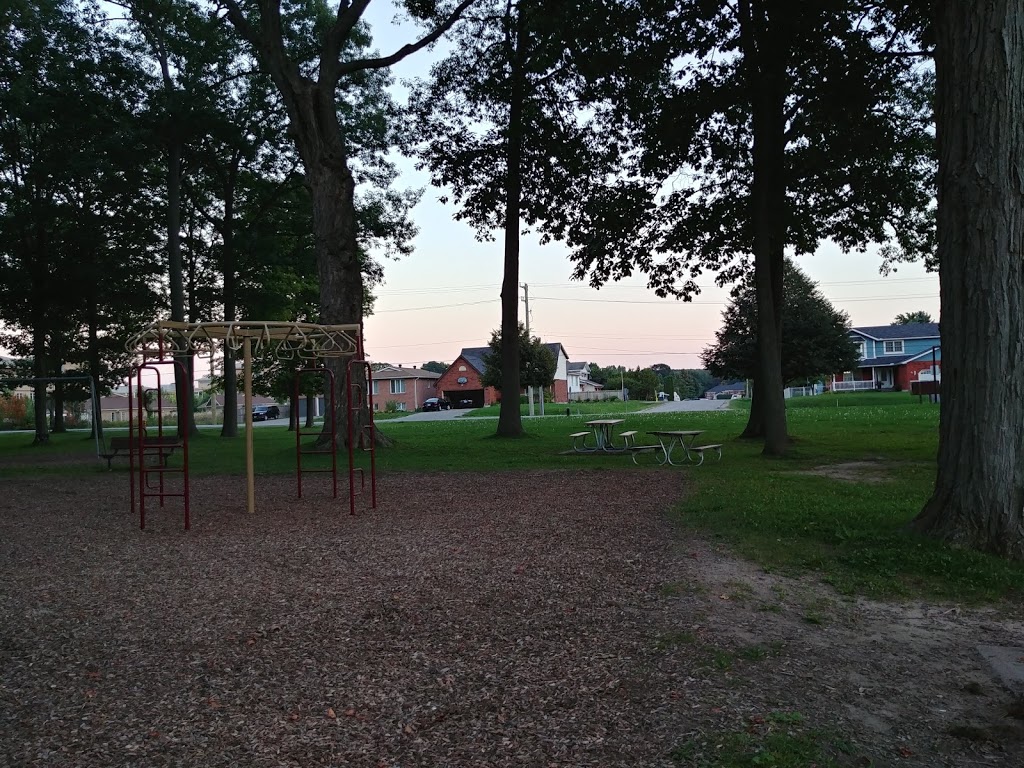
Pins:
x: 853, y: 386
x: 603, y: 394
x: 799, y: 392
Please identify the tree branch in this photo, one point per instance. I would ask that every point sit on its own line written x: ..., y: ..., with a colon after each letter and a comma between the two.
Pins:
x: 349, y: 14
x: 347, y: 68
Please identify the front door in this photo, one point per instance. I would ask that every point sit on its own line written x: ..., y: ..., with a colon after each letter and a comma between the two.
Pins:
x: 885, y: 377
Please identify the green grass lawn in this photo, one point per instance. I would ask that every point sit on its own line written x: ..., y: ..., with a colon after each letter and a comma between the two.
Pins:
x: 852, y: 534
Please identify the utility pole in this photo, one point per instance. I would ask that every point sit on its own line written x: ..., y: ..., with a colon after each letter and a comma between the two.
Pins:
x: 526, y: 300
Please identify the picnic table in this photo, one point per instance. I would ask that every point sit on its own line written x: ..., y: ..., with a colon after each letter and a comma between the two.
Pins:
x: 603, y: 432
x: 668, y: 439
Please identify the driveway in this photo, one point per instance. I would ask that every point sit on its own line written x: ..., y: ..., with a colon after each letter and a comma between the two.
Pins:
x: 675, y: 406
x: 448, y: 415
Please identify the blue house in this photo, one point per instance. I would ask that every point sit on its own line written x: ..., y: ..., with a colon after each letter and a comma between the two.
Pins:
x: 892, y: 356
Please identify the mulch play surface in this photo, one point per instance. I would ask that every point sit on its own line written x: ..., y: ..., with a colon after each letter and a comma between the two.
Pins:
x: 504, y: 619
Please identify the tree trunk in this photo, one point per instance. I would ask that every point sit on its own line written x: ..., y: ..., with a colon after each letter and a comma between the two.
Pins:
x: 229, y: 427
x: 293, y: 411
x: 978, y: 500
x: 39, y: 371
x: 176, y: 279
x: 765, y: 68
x: 510, y: 420
x: 58, y: 409
x: 94, y: 370
x: 310, y: 408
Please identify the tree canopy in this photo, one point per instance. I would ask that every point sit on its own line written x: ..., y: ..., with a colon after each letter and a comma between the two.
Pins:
x: 537, y: 366
x: 907, y: 318
x: 814, y: 341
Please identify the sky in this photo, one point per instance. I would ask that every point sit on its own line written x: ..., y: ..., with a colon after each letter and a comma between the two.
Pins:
x: 445, y: 296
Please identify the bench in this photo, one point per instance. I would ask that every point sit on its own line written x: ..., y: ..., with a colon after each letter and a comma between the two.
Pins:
x: 579, y: 442
x: 629, y: 438
x: 637, y: 449
x: 119, y: 447
x: 698, y: 449
x: 701, y: 448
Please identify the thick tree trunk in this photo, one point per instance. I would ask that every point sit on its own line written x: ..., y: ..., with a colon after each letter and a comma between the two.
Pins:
x: 764, y: 49
x: 978, y: 500
x: 176, y: 279
x: 510, y: 420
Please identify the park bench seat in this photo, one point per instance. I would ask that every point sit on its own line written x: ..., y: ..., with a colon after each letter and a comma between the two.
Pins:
x: 710, y: 447
x: 628, y: 437
x: 118, y: 447
x: 578, y: 441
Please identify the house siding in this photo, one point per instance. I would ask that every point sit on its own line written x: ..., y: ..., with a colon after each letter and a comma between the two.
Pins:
x: 416, y: 391
x: 450, y: 387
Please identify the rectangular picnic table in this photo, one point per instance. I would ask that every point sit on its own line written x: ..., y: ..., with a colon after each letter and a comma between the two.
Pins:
x: 603, y: 429
x: 669, y: 439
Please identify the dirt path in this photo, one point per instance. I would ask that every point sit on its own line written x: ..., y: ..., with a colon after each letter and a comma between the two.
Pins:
x: 538, y: 618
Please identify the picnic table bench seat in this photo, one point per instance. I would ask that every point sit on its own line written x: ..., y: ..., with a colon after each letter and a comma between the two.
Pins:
x: 579, y: 440
x: 119, y: 447
x: 710, y: 447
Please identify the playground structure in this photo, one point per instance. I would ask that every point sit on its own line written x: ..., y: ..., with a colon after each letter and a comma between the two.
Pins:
x: 165, y: 343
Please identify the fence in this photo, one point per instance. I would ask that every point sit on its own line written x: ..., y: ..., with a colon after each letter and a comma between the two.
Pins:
x: 853, y: 386
x: 588, y: 397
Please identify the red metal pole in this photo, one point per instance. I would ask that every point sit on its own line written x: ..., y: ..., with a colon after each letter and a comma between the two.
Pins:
x: 332, y: 414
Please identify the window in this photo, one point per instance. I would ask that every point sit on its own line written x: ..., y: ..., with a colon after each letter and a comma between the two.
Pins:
x: 848, y: 376
x: 462, y: 368
x: 375, y: 387
x: 397, y: 386
x: 862, y: 350
x: 400, y: 406
x: 894, y: 347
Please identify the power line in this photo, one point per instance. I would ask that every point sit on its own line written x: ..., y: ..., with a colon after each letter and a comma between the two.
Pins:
x: 671, y: 302
x: 437, y: 306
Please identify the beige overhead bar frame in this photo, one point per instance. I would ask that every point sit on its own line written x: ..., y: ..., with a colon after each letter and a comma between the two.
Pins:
x: 288, y: 341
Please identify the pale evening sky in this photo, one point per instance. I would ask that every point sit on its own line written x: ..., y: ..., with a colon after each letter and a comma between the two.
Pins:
x: 446, y: 295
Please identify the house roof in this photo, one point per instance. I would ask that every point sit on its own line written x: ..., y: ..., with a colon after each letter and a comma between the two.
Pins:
x: 736, y: 385
x: 399, y: 372
x: 575, y: 367
x: 885, y: 361
x: 908, y: 331
x: 475, y: 355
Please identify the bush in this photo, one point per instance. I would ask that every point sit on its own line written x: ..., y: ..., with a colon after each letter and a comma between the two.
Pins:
x: 13, y: 411
x: 391, y: 406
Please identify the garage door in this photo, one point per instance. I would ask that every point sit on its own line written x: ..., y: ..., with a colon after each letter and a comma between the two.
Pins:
x: 459, y: 397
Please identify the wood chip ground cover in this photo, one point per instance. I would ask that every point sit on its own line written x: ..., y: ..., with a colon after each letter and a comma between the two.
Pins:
x: 529, y: 618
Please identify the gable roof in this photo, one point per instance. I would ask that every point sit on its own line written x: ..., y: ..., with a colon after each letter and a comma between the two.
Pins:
x: 735, y: 386
x: 398, y: 372
x: 575, y: 367
x: 908, y: 331
x: 475, y: 355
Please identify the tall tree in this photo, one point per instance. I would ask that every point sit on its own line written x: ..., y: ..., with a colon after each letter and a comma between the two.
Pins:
x: 499, y: 127
x: 979, y: 489
x: 752, y: 115
x: 814, y: 334
x: 907, y: 318
x: 535, y: 365
x: 311, y: 95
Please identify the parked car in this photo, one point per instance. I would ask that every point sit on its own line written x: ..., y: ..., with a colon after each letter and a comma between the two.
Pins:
x: 265, y: 412
x: 436, y: 404
x: 465, y: 404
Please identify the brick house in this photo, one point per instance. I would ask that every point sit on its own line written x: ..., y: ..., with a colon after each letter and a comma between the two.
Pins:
x: 462, y: 380
x: 407, y: 388
x: 892, y: 357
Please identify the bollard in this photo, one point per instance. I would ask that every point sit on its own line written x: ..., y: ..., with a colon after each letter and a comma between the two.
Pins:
x: 566, y: 411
